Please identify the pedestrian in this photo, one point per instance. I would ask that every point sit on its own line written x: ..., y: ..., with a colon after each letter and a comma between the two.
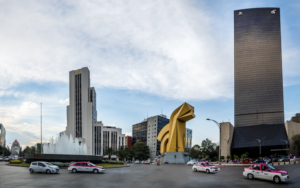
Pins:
x: 294, y: 158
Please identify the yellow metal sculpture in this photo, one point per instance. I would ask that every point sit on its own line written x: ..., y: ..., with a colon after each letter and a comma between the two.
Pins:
x: 173, y: 135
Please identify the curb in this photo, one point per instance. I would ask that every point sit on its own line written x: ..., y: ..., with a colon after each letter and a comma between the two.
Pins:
x: 67, y: 167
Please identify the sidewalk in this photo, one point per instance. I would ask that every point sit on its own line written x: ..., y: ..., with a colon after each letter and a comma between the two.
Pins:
x: 246, y: 165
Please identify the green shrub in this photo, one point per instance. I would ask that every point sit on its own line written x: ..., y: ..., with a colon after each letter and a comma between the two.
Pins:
x: 222, y: 157
x: 235, y: 156
x: 115, y: 162
x: 244, y: 155
x: 228, y: 157
x: 215, y: 158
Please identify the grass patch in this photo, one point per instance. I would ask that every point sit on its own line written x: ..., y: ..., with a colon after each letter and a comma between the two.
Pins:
x: 105, y: 165
x: 20, y: 164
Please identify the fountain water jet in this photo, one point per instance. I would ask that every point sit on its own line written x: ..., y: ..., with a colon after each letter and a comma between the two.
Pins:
x: 64, y: 145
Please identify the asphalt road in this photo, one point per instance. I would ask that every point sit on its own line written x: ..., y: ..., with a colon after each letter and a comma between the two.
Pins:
x: 139, y: 176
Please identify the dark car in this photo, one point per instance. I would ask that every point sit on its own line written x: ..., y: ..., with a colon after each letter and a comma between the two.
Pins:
x: 274, y: 160
x: 284, y: 159
x: 259, y: 161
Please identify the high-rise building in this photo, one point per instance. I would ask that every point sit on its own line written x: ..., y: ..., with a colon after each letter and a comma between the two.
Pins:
x: 147, y: 132
x: 188, y: 140
x: 82, y: 117
x: 2, y: 135
x: 258, y: 88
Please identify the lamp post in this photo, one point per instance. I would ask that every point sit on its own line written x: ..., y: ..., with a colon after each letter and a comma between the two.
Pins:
x: 259, y: 140
x: 219, y: 138
x: 286, y: 145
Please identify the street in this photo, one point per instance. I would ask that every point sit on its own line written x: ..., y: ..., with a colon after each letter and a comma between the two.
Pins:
x: 140, y: 175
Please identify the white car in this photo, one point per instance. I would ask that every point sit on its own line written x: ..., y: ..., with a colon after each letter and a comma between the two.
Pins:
x: 137, y: 162
x: 85, y: 167
x: 205, y: 167
x: 40, y: 166
x: 192, y: 162
x: 266, y: 172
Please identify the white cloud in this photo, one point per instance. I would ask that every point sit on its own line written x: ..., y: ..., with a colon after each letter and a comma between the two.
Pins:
x: 64, y: 101
x: 168, y: 49
x: 128, y: 134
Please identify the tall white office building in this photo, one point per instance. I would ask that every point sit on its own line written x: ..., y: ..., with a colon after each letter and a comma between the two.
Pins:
x: 82, y: 115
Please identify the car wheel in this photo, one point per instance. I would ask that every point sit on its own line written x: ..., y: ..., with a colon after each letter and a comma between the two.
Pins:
x: 48, y: 171
x: 95, y: 171
x: 276, y: 179
x: 31, y: 170
x: 74, y: 170
x: 195, y: 169
x: 207, y: 171
x: 250, y: 176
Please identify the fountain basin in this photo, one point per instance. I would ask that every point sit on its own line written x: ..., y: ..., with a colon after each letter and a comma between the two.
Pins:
x: 62, y: 158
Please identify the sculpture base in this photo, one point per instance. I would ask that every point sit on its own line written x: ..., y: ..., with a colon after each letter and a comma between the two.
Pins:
x: 175, y: 157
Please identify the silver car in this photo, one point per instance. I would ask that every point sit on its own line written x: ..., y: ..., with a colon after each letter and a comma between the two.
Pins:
x: 40, y: 166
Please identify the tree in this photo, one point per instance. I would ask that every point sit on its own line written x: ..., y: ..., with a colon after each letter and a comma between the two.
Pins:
x: 27, y: 150
x: 33, y: 150
x: 296, y: 145
x: 109, y: 152
x: 130, y: 152
x: 244, y: 155
x: 195, y: 151
x: 209, y: 149
x: 122, y: 153
x: 228, y: 157
x: 141, y: 150
x: 4, y: 151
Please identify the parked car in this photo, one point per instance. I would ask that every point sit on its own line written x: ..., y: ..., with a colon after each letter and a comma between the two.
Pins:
x: 85, y: 167
x: 147, y: 162
x: 259, y: 161
x: 137, y: 162
x: 142, y: 162
x: 192, y: 162
x: 246, y: 160
x: 284, y: 159
x: 267, y: 160
x: 205, y: 167
x: 266, y: 172
x: 40, y: 166
x: 274, y: 160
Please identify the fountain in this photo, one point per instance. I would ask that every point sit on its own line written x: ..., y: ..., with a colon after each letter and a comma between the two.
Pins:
x: 63, y: 149
x: 64, y: 145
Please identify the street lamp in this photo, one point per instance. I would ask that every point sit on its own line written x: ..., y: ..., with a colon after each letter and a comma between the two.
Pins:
x: 259, y: 140
x: 286, y: 145
x: 220, y: 136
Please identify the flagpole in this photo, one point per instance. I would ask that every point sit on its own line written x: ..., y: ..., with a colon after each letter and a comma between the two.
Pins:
x: 41, y: 130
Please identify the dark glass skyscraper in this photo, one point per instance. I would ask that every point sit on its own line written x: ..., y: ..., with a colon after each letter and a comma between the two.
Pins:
x: 258, y: 84
x: 258, y: 87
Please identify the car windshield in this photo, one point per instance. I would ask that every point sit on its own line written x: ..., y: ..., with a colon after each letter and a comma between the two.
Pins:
x: 92, y: 164
x: 209, y: 164
x: 191, y: 161
x: 271, y: 167
x: 49, y: 164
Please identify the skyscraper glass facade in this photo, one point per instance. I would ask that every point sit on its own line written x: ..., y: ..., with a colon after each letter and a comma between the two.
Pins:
x: 258, y: 67
x: 258, y: 87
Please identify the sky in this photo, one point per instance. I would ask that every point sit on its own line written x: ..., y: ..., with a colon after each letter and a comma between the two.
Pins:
x: 145, y: 58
